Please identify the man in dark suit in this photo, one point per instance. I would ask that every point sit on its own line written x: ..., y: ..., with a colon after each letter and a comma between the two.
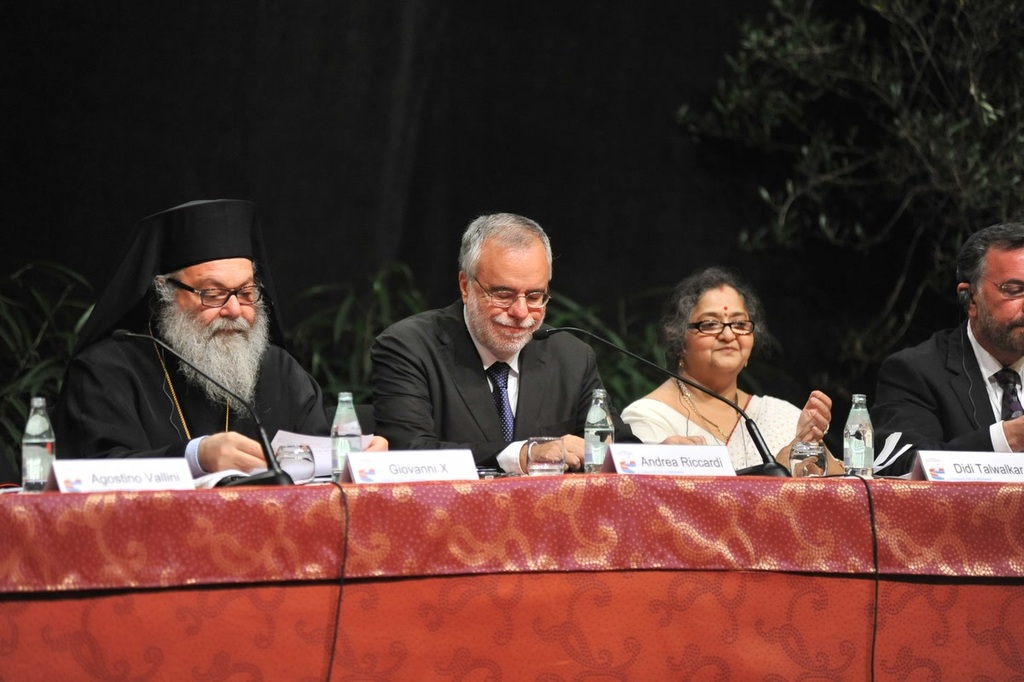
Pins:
x: 432, y: 372
x: 960, y: 390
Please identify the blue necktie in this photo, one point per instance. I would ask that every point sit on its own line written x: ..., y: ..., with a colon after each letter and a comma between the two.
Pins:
x: 1008, y: 380
x: 498, y: 372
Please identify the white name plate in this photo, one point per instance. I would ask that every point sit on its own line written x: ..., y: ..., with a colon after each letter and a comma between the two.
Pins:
x: 396, y: 466
x: 668, y: 460
x: 131, y: 473
x: 949, y: 465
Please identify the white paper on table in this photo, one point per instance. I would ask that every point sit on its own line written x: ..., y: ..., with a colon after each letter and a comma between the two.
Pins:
x: 889, y: 453
x: 320, y: 445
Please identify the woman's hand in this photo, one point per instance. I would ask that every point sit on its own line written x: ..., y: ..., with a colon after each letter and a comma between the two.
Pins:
x: 814, y: 418
x: 685, y: 440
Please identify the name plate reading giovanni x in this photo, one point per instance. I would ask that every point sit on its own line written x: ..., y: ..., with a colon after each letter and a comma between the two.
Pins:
x: 396, y: 466
x: 131, y: 473
x: 668, y: 460
x: 949, y: 465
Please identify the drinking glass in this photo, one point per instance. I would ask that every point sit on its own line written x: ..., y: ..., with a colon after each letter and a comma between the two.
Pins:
x: 545, y: 456
x: 807, y: 459
x: 297, y: 462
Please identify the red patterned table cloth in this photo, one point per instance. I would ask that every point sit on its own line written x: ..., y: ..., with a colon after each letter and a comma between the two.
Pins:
x: 619, y: 577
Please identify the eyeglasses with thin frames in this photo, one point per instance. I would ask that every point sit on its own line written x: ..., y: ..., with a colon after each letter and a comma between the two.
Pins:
x: 217, y: 298
x: 503, y: 298
x: 716, y: 327
x: 1012, y: 289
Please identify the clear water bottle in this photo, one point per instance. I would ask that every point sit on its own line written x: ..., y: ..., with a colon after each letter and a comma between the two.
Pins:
x: 859, y: 440
x: 38, y: 447
x: 598, y: 433
x: 346, y: 435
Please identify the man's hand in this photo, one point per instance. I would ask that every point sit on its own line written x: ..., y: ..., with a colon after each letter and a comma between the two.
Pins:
x: 574, y: 452
x: 377, y: 444
x: 1014, y: 431
x: 230, y: 450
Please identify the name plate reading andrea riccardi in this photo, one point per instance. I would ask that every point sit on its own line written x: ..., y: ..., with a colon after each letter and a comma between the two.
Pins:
x: 397, y: 466
x: 949, y: 465
x: 131, y: 474
x: 669, y: 460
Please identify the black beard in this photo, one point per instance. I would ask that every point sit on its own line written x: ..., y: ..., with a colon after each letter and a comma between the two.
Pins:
x: 1000, y: 335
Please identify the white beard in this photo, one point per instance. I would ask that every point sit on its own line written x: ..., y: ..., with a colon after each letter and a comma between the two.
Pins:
x: 503, y: 347
x: 232, y: 359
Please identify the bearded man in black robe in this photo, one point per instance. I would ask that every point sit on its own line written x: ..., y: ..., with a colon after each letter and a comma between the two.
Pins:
x: 195, y: 277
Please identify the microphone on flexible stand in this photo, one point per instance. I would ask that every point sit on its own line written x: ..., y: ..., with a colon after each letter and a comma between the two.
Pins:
x: 769, y: 466
x: 273, y: 475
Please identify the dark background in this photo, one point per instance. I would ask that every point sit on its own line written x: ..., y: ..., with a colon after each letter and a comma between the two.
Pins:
x: 369, y: 131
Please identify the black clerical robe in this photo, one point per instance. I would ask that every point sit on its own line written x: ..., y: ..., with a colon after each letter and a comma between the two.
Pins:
x: 116, y: 402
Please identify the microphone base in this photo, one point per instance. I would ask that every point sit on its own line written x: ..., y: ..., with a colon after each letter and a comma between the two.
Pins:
x: 263, y: 478
x: 773, y: 469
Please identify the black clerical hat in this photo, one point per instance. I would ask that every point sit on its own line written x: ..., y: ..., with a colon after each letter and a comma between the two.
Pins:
x: 201, y: 231
x: 164, y: 242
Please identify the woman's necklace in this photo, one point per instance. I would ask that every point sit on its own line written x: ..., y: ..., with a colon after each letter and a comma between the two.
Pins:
x: 685, y: 393
x: 174, y: 394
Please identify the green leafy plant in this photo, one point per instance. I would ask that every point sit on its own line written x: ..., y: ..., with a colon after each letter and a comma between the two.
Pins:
x: 333, y: 339
x: 878, y: 134
x: 42, y: 308
x: 630, y: 324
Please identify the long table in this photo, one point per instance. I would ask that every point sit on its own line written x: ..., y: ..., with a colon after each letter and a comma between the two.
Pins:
x: 598, y: 577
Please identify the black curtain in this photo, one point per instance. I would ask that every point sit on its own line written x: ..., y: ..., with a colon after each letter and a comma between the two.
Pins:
x: 368, y: 131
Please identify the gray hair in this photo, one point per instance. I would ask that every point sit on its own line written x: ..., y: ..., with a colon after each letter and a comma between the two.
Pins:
x: 508, y: 229
x: 971, y: 260
x: 675, y: 320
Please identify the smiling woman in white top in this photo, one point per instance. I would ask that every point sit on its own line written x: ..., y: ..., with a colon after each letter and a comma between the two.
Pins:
x: 709, y: 331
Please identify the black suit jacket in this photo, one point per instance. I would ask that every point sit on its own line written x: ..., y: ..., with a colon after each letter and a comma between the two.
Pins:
x: 430, y: 390
x: 935, y: 395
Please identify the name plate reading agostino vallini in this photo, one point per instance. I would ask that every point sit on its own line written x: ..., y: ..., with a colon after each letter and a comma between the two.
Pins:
x: 949, y: 465
x: 131, y: 473
x: 669, y: 460
x: 396, y: 466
